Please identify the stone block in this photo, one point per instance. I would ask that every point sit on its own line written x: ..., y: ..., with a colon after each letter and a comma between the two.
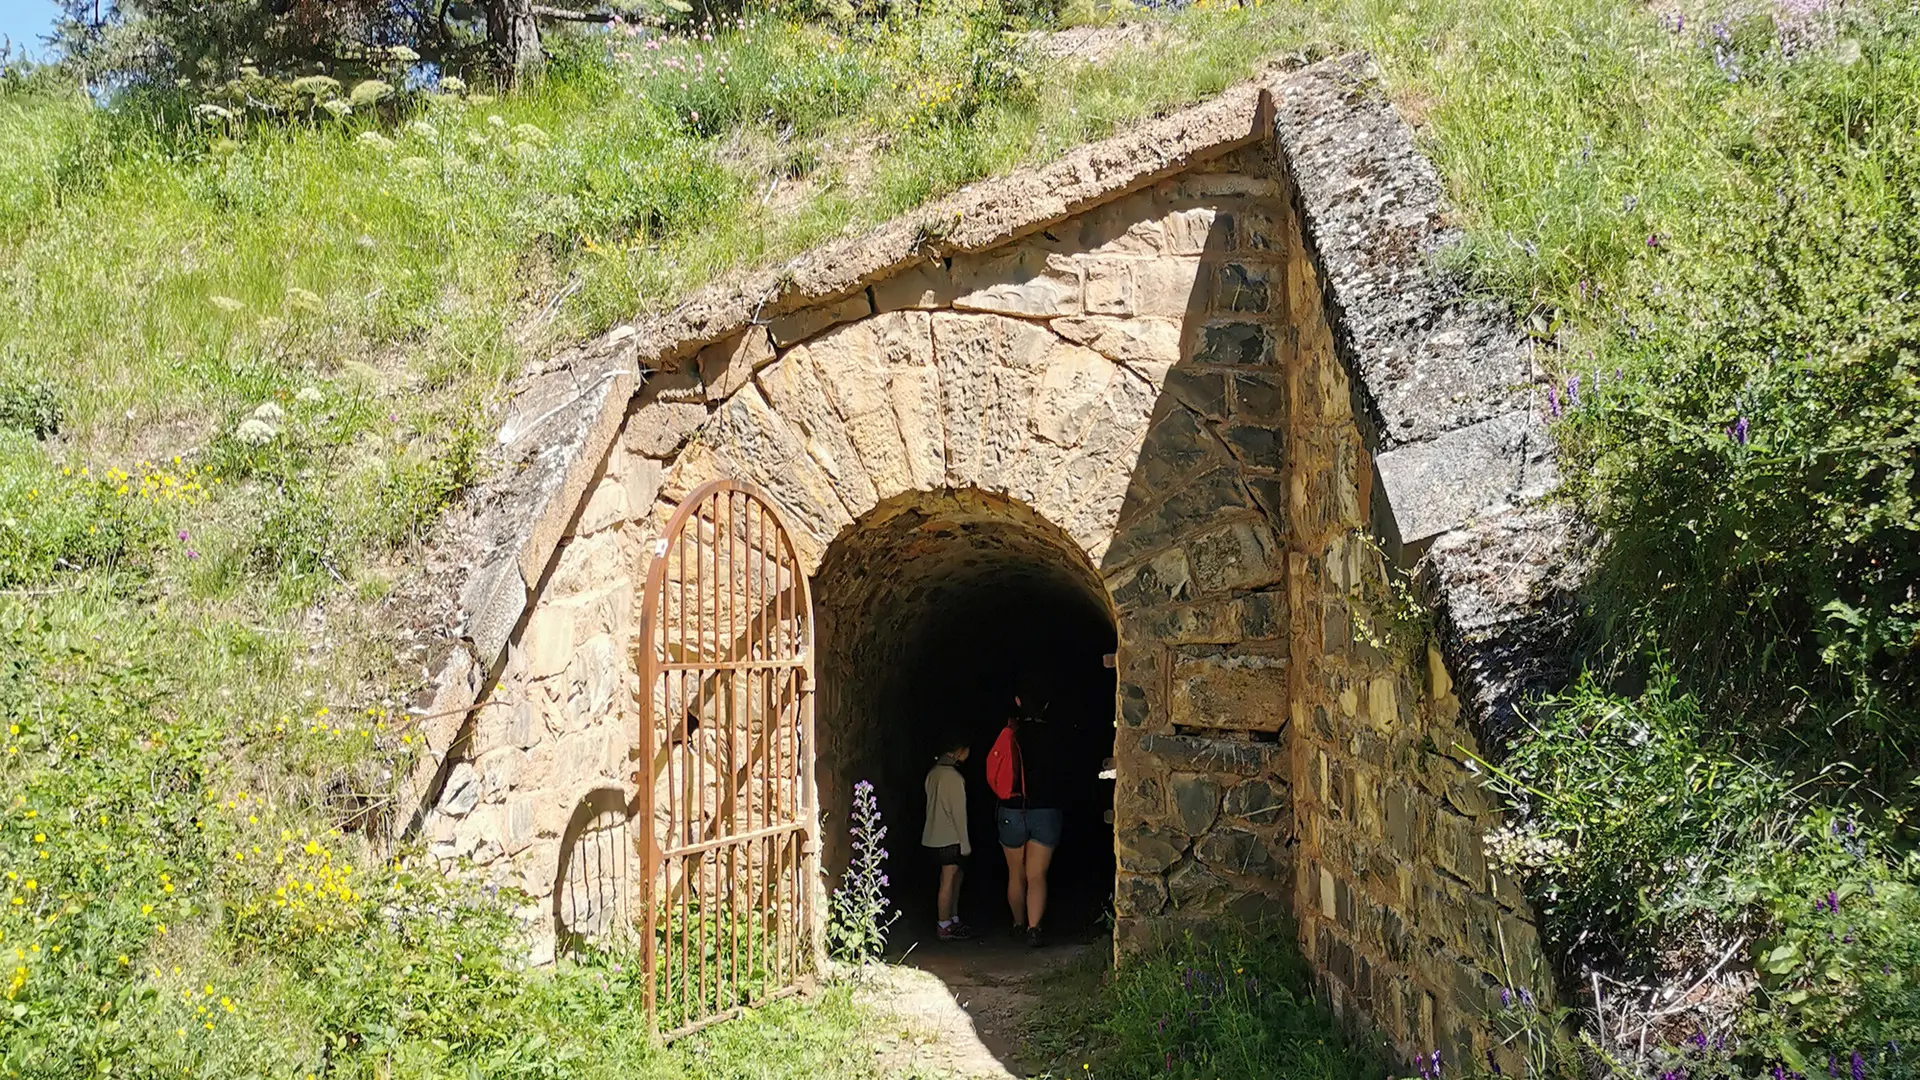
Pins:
x: 805, y: 323
x: 1199, y: 753
x: 1197, y: 230
x: 1127, y: 341
x: 548, y: 641
x: 1072, y: 384
x: 1196, y: 802
x: 1193, y: 887
x: 1259, y: 397
x: 1236, y: 344
x: 792, y: 389
x: 462, y: 791
x: 671, y: 405
x: 1254, y: 801
x: 1436, y: 486
x: 1205, y: 392
x: 606, y: 507
x: 1108, y: 286
x: 726, y: 365
x: 1024, y: 280
x: 1237, y: 555
x: 1168, y: 288
x: 1138, y: 799
x: 1235, y: 850
x: 1239, y: 689
x: 1257, y: 446
x: 1149, y: 849
x: 494, y: 599
x: 1139, y: 895
x: 924, y: 285
x: 1133, y: 707
x: 1243, y: 288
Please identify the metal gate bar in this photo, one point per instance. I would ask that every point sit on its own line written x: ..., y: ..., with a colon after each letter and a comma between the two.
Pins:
x: 728, y: 836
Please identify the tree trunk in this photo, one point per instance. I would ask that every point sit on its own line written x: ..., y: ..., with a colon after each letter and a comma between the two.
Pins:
x: 515, y: 35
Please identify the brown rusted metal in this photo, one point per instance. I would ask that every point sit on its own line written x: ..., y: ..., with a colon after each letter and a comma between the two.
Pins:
x: 725, y: 656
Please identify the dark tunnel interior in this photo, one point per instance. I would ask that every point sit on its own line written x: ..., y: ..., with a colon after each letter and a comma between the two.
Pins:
x: 930, y: 623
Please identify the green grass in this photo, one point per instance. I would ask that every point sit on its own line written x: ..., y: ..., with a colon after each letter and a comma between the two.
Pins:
x: 1233, y: 1005
x: 1709, y: 227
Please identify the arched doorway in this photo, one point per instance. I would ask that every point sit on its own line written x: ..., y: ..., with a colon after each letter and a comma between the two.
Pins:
x: 934, y: 610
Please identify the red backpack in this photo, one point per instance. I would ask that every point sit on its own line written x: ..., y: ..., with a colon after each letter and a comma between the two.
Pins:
x: 1006, y: 772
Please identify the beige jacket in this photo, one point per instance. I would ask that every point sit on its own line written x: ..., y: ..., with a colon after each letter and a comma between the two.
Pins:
x: 946, y: 808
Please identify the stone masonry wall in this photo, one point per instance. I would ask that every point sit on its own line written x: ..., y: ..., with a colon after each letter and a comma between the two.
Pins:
x: 1398, y: 910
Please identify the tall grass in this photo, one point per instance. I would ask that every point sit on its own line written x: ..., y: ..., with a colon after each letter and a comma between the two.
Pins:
x: 1232, y: 1004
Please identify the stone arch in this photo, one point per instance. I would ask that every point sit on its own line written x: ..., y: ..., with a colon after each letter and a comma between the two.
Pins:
x: 591, y: 898
x: 934, y: 609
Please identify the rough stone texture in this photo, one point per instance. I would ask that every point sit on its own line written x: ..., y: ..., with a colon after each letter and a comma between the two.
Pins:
x: 1182, y: 375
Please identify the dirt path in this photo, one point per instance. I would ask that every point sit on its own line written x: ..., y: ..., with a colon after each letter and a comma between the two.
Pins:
x: 959, y: 1006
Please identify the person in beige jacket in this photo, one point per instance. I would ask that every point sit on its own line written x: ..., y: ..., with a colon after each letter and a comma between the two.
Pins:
x: 946, y: 833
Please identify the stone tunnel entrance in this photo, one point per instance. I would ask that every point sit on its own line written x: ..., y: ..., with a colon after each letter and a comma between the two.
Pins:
x: 933, y: 611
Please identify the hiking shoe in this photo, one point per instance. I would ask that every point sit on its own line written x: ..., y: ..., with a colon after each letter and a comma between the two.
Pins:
x: 1035, y: 939
x: 955, y: 931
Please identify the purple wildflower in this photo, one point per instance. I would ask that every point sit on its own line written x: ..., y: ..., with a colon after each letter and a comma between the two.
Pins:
x: 1833, y: 1066
x: 1740, y: 431
x: 1492, y: 1065
x: 1833, y: 902
x: 1859, y: 1066
x: 1526, y: 997
x: 1553, y: 401
x: 1653, y: 240
x: 1506, y: 999
x: 1573, y: 391
x: 1436, y: 1065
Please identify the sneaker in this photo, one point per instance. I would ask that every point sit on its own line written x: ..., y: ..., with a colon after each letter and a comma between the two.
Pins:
x: 955, y: 931
x: 1035, y: 939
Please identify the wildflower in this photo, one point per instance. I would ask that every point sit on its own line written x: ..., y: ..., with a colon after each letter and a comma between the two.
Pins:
x: 1859, y: 1066
x: 1506, y: 999
x: 1573, y: 391
x: 1492, y: 1065
x: 1738, y: 432
x: 1553, y: 402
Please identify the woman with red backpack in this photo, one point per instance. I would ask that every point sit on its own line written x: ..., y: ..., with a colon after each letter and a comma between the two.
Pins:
x: 1023, y: 771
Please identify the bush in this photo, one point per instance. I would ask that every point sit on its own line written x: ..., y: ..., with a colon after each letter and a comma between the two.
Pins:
x: 1648, y: 846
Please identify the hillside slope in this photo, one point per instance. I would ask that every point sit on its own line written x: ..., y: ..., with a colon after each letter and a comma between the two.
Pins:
x: 244, y: 366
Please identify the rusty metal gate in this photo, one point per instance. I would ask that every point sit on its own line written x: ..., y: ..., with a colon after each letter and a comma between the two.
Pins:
x: 728, y: 825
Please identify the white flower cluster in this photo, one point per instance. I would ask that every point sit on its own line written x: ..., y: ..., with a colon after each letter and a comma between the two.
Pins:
x: 1515, y: 848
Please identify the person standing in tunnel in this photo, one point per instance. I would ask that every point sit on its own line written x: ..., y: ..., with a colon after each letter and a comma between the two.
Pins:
x: 945, y: 832
x: 1025, y: 772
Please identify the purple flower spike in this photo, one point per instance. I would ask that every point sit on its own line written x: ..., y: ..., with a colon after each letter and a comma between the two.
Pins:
x: 1859, y: 1066
x: 1492, y: 1065
x: 1740, y: 431
x: 1573, y: 391
x: 1833, y: 902
x: 1436, y: 1064
x: 1553, y: 401
x: 1506, y: 1000
x: 1833, y: 1066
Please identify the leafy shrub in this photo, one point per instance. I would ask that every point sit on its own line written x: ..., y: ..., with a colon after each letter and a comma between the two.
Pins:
x: 1640, y: 836
x: 30, y: 406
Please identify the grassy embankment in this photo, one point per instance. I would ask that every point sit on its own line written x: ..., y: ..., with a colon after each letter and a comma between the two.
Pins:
x: 1709, y: 215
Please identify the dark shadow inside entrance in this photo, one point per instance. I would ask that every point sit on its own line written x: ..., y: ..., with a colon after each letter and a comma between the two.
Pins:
x: 934, y: 612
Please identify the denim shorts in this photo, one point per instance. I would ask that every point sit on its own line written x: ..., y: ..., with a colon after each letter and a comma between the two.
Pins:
x: 1017, y: 827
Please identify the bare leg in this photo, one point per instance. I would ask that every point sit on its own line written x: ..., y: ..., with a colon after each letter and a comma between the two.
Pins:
x: 949, y: 891
x: 1038, y: 857
x: 1017, y: 883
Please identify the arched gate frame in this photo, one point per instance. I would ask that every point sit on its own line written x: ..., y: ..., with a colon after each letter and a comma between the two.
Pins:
x: 729, y: 816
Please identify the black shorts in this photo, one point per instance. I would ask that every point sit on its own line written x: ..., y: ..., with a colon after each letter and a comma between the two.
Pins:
x: 946, y: 856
